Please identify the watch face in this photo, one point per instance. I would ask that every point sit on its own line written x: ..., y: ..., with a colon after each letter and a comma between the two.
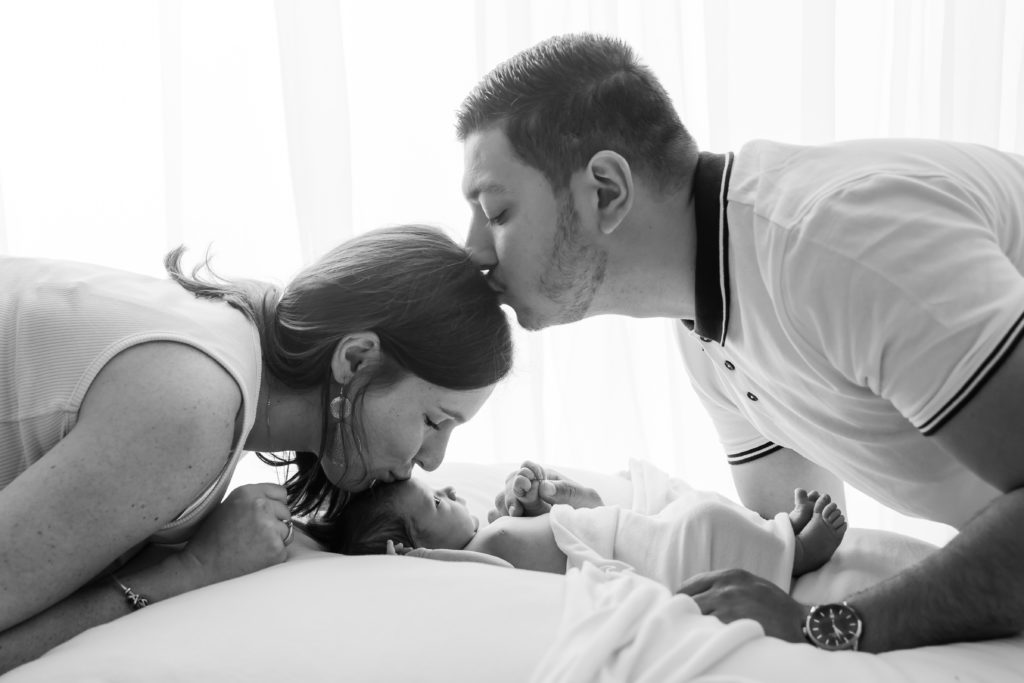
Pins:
x: 833, y: 627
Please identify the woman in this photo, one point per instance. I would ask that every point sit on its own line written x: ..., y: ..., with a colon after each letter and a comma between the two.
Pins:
x: 125, y: 402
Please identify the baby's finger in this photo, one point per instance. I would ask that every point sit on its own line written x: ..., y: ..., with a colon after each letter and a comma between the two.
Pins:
x: 536, y: 471
x: 525, y: 489
x: 390, y: 549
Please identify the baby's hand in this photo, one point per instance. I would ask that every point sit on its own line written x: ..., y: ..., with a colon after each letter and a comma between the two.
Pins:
x: 446, y: 555
x: 526, y: 488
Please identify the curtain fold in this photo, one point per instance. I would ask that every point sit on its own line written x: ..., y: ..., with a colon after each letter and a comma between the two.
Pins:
x: 315, y: 99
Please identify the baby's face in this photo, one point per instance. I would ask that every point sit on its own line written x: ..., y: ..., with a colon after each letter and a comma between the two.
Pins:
x: 440, y: 518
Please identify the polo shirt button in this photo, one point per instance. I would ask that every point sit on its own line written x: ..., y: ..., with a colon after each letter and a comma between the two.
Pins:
x: 729, y: 365
x: 705, y: 339
x: 751, y: 396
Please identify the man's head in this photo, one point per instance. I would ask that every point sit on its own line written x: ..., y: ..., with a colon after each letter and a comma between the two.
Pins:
x: 555, y: 138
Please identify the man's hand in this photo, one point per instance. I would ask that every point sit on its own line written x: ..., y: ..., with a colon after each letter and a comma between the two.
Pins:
x: 532, y: 490
x: 733, y: 594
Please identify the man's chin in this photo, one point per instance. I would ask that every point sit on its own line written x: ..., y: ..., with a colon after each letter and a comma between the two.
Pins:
x: 531, y: 321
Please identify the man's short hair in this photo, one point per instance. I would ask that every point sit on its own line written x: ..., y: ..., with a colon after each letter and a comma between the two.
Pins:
x: 569, y: 97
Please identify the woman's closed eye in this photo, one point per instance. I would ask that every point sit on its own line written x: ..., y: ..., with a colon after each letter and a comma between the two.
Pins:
x: 497, y: 220
x: 430, y: 423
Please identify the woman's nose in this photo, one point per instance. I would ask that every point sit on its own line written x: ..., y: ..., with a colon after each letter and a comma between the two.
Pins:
x: 430, y: 457
x: 432, y: 451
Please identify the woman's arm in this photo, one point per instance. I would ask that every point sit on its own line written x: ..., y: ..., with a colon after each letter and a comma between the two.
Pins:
x: 245, y: 528
x: 155, y: 428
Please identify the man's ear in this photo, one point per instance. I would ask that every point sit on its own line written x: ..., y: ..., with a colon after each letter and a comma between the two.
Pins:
x: 354, y: 351
x: 610, y: 180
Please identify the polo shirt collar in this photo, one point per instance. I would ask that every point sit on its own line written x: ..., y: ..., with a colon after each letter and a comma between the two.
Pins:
x: 711, y: 281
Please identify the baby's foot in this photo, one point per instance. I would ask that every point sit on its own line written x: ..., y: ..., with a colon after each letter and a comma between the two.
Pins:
x: 818, y: 539
x: 803, y: 508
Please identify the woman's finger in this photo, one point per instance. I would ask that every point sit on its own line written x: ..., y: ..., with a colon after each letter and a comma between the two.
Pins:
x: 279, y: 510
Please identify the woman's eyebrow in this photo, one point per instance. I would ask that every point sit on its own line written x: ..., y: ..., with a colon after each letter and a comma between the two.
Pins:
x: 453, y: 414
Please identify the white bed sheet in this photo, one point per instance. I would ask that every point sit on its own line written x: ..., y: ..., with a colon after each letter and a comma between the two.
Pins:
x: 327, y: 617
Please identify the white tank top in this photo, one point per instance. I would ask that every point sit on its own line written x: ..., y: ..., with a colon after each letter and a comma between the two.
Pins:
x: 61, y: 322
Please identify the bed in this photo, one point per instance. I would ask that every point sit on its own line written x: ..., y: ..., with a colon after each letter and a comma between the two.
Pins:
x: 325, y: 617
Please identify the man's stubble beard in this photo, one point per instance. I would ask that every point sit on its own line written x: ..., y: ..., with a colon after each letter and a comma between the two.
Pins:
x: 573, y: 273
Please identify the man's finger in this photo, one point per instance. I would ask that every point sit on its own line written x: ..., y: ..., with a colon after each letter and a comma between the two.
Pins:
x: 554, y: 492
x: 698, y: 583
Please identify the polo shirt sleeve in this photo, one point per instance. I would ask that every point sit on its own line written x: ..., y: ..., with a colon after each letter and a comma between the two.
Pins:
x: 900, y: 285
x: 740, y: 440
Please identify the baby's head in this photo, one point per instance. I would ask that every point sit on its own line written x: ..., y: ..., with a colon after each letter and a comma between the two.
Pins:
x: 407, y: 512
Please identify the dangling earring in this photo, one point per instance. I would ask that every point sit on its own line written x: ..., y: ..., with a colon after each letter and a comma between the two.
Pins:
x: 341, y: 407
x: 341, y: 410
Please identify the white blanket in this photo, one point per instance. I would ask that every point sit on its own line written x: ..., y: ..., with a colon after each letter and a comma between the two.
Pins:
x: 674, y: 531
x: 617, y: 625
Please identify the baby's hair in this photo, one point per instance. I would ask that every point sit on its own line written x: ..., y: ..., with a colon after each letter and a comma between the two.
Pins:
x: 369, y: 521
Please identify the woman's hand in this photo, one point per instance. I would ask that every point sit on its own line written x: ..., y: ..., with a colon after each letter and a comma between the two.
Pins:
x: 446, y: 555
x: 532, y: 490
x: 245, y: 533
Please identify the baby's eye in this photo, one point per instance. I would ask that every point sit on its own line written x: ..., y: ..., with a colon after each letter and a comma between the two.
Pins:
x: 437, y: 502
x: 430, y: 423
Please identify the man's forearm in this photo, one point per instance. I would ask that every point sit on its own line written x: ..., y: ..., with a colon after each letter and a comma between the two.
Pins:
x: 971, y: 589
x: 92, y: 605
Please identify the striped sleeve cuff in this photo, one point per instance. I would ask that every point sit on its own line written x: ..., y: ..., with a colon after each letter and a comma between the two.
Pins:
x: 1006, y: 345
x: 752, y: 454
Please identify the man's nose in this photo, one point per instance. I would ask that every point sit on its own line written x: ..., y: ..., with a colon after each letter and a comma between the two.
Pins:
x: 480, y: 245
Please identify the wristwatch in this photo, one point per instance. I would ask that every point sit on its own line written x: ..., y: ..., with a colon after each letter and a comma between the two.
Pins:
x: 835, y: 626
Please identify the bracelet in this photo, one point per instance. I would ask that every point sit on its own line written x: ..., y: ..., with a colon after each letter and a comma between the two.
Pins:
x: 134, y: 600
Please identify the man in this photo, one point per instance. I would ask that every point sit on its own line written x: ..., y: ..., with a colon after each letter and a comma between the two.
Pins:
x: 846, y: 312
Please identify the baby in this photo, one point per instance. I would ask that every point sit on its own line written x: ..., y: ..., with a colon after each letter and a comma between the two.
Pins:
x: 410, y: 517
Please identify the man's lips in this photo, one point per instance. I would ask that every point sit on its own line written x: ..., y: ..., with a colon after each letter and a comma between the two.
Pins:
x: 493, y: 282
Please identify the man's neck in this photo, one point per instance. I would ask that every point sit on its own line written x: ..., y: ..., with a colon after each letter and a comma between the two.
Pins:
x: 651, y: 262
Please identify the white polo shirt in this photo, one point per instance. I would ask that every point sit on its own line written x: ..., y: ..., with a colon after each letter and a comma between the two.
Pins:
x: 850, y: 299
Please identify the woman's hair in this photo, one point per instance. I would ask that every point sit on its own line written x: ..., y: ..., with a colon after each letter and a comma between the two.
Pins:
x: 370, y: 520
x: 412, y: 285
x: 571, y: 96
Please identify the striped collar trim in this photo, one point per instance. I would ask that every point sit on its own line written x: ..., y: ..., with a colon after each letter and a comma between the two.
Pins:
x: 711, y: 281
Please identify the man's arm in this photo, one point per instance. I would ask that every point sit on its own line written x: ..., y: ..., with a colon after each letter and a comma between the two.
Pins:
x: 973, y: 588
x: 970, y: 589
x: 766, y: 485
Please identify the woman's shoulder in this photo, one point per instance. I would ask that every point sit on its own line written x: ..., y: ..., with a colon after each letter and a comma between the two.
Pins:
x: 165, y: 381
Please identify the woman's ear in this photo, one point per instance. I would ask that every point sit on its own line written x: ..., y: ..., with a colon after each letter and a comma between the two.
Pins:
x: 610, y: 180
x: 353, y: 352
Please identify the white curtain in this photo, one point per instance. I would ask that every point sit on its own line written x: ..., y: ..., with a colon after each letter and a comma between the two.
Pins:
x: 273, y: 130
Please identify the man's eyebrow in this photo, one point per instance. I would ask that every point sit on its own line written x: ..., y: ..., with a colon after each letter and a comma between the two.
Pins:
x: 490, y: 187
x: 451, y: 413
